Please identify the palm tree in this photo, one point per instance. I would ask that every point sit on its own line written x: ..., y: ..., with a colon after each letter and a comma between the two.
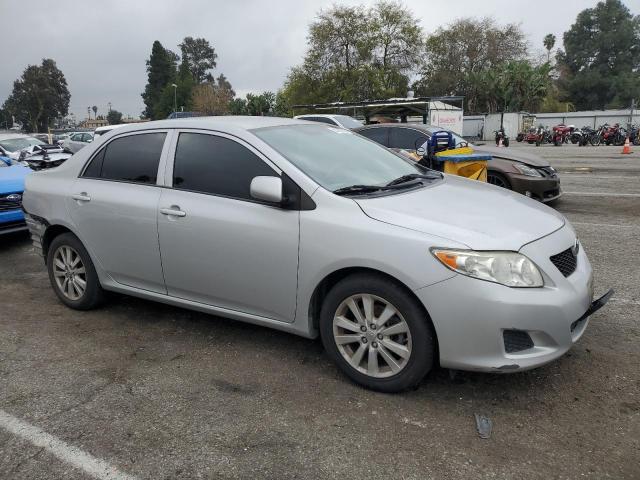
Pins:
x: 549, y: 42
x: 95, y: 111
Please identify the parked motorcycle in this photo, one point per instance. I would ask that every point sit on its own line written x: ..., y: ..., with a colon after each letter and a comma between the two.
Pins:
x: 634, y: 134
x: 501, y: 135
x: 614, y: 135
x: 561, y: 134
x: 537, y: 135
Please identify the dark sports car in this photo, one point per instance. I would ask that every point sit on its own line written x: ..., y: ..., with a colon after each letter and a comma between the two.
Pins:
x: 518, y: 171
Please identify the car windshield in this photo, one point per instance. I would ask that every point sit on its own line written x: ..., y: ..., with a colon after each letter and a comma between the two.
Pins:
x: 336, y: 158
x: 348, y: 122
x: 19, y: 143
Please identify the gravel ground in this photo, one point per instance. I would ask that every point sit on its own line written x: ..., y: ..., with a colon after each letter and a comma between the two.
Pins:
x: 160, y: 392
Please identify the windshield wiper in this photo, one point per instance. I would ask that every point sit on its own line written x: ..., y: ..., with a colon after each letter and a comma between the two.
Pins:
x: 414, y: 176
x: 357, y: 189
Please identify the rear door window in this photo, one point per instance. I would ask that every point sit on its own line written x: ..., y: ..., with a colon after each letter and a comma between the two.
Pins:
x: 406, y: 138
x: 134, y: 158
x: 378, y: 135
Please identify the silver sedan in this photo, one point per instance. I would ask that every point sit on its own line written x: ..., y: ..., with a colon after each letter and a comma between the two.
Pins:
x: 317, y: 231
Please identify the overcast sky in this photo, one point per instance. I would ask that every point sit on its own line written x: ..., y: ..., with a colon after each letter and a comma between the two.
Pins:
x: 101, y: 46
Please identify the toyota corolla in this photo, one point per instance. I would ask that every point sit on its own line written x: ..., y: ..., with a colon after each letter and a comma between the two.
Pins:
x: 317, y: 231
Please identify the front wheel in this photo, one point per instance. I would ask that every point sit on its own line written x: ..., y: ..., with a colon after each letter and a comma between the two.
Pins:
x: 505, y: 142
x: 377, y: 333
x: 72, y: 274
x: 497, y: 179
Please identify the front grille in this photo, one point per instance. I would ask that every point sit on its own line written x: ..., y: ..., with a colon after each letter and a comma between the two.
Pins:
x: 6, y: 204
x: 565, y: 261
x: 516, y: 341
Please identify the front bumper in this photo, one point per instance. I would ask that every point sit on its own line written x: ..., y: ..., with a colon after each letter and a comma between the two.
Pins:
x: 471, y: 316
x: 544, y: 189
x: 12, y: 221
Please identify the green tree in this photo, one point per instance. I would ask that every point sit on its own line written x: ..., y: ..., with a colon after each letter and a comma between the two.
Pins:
x: 260, y: 105
x: 238, y: 106
x: 39, y: 96
x: 161, y: 71
x: 601, y: 58
x: 114, y: 117
x: 183, y: 93
x: 200, y: 56
x: 465, y: 49
x: 549, y: 42
x: 356, y: 53
x: 213, y: 98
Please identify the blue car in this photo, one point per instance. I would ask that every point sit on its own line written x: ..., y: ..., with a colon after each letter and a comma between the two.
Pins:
x: 12, y: 175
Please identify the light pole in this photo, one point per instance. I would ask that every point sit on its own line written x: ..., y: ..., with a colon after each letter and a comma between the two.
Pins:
x: 175, y: 97
x: 109, y: 106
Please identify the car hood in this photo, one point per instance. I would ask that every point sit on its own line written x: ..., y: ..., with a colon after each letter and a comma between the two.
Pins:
x: 511, y: 154
x: 12, y: 178
x: 479, y: 215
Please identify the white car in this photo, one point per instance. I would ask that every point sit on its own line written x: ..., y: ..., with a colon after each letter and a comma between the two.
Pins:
x: 344, y: 121
x: 78, y: 141
x: 106, y: 129
x: 317, y: 231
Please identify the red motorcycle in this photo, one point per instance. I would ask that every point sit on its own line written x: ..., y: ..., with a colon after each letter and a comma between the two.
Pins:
x: 615, y: 135
x: 537, y: 135
x: 561, y: 134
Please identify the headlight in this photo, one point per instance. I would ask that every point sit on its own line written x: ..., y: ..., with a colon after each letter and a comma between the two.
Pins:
x: 527, y: 170
x: 507, y: 268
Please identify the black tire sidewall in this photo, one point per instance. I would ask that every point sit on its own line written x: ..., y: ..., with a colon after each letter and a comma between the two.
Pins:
x: 422, y: 336
x: 93, y: 294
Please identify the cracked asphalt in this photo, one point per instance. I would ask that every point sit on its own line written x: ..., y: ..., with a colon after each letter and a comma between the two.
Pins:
x: 164, y: 393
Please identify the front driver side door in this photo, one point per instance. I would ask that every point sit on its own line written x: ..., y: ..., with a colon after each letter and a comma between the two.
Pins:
x: 219, y: 246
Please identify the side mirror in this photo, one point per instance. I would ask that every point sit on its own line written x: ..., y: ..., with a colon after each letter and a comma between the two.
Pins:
x: 268, y: 189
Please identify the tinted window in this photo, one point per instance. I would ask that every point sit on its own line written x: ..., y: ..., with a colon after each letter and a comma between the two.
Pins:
x: 94, y: 168
x: 378, y: 135
x: 217, y: 165
x: 129, y: 159
x: 321, y: 120
x: 406, y: 138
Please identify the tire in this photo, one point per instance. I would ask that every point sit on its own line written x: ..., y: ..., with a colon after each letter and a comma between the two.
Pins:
x: 505, y: 142
x: 595, y: 140
x: 498, y: 179
x: 68, y: 247
x: 636, y: 140
x: 537, y: 143
x: 557, y: 141
x: 369, y: 348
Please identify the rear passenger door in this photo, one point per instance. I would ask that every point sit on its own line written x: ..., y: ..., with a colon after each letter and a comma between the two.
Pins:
x: 219, y: 246
x: 114, y: 205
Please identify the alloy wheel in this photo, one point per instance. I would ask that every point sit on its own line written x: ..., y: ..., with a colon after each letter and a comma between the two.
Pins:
x: 69, y: 272
x: 371, y: 335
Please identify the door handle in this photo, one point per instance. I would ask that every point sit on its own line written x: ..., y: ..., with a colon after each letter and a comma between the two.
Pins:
x: 82, y: 197
x: 174, y: 212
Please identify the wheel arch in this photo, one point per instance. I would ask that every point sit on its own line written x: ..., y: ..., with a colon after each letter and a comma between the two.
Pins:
x: 50, y: 233
x: 325, y: 285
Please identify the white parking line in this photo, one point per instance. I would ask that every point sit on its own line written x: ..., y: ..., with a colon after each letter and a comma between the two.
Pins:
x: 67, y: 453
x: 602, y: 194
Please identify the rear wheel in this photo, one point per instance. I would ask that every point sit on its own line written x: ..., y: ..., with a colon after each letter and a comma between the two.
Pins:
x: 595, y: 140
x: 72, y: 274
x: 497, y: 179
x: 377, y: 333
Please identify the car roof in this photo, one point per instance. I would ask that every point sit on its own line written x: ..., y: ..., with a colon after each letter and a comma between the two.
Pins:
x: 325, y: 115
x: 8, y: 136
x: 228, y: 123
x: 415, y: 126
